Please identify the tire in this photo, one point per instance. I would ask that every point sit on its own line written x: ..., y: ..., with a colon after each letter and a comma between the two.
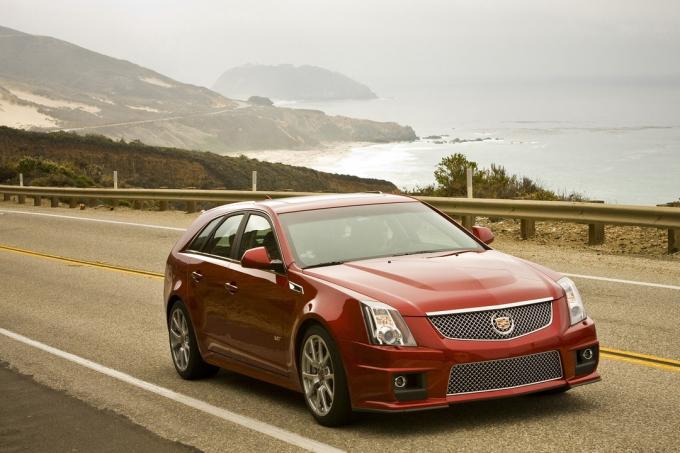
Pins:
x: 326, y: 382
x: 183, y: 345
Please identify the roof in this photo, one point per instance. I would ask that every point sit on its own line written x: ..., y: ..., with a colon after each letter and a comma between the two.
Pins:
x: 312, y: 202
x: 307, y: 203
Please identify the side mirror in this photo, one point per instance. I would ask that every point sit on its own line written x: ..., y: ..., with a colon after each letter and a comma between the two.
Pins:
x: 483, y: 234
x: 258, y: 258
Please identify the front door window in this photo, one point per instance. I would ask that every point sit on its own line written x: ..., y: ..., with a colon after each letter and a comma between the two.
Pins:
x: 258, y: 233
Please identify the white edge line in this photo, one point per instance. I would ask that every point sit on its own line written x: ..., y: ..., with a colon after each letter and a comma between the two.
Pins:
x: 242, y: 420
x: 618, y: 280
x: 160, y: 227
x: 89, y: 219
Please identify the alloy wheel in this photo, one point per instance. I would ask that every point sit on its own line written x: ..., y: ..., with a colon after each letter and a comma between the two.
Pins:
x: 179, y: 339
x: 317, y: 375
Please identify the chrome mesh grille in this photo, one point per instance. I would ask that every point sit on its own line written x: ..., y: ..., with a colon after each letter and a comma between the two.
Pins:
x: 477, y: 325
x: 505, y: 373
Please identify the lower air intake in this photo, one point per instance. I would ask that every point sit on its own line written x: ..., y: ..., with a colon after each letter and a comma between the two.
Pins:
x: 505, y: 373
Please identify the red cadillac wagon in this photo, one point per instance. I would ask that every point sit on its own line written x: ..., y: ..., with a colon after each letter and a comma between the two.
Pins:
x: 370, y: 302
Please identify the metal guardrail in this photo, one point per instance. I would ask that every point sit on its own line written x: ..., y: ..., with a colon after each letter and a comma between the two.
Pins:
x: 577, y: 212
x: 596, y: 215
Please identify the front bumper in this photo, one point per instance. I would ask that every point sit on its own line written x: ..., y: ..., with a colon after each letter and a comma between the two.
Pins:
x: 371, y: 369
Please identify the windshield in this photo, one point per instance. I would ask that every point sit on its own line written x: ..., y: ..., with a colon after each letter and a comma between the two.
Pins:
x: 336, y: 235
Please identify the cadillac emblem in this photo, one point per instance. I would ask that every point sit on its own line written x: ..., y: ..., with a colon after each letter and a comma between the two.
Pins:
x: 502, y: 323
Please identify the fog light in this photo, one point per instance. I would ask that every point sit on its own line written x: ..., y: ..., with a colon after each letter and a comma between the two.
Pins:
x: 400, y: 382
x: 586, y: 360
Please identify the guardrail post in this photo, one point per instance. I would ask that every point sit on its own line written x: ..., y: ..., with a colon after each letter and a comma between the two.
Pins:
x: 54, y: 202
x: 72, y: 203
x: 673, y: 240
x: 6, y: 197
x: 595, y: 233
x: 163, y: 205
x: 527, y: 228
x: 469, y: 220
x: 37, y: 200
x: 21, y: 198
x: 191, y: 206
x: 596, y: 230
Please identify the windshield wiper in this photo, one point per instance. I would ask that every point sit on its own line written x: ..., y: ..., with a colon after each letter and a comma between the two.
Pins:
x: 417, y: 253
x: 329, y: 263
x: 458, y: 252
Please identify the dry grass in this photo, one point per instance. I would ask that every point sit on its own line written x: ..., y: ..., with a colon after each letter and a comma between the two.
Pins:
x: 620, y: 240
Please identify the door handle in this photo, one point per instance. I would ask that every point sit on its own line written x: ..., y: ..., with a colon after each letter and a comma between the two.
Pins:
x: 196, y: 276
x: 231, y: 287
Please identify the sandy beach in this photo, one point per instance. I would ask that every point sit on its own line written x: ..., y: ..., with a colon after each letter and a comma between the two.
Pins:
x: 327, y: 155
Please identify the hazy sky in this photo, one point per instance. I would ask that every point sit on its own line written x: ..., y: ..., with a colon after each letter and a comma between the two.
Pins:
x: 373, y: 41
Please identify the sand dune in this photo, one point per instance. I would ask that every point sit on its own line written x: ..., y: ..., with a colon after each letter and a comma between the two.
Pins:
x: 23, y: 116
x: 155, y: 81
x: 53, y: 103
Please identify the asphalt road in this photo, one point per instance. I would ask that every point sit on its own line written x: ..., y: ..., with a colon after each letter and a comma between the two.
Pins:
x: 38, y: 418
x: 115, y: 319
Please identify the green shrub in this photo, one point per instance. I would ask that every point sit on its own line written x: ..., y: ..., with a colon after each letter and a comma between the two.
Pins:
x: 493, y: 182
x: 8, y: 175
x: 44, y: 172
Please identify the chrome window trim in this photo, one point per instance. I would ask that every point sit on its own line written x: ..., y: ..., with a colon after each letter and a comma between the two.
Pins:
x: 511, y: 387
x: 213, y: 259
x: 489, y: 307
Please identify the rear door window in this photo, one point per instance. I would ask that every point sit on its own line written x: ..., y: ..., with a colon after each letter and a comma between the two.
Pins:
x: 222, y: 242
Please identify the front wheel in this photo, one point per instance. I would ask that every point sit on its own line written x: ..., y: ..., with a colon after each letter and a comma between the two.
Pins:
x: 183, y: 345
x: 323, y: 378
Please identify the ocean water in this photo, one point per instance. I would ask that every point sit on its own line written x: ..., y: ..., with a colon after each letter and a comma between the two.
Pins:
x: 616, y: 140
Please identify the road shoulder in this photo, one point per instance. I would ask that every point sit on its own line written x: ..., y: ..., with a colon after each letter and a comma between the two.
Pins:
x: 38, y: 418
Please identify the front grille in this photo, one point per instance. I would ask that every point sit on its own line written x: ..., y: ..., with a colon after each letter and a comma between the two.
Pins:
x: 478, y: 325
x: 505, y: 373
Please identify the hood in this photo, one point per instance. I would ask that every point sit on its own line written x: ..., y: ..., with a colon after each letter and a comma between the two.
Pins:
x: 418, y: 284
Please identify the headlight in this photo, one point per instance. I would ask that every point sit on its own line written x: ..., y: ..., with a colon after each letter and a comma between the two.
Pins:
x: 385, y: 325
x: 576, y: 311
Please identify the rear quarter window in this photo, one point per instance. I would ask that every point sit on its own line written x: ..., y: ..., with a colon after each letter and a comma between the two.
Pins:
x: 199, y: 241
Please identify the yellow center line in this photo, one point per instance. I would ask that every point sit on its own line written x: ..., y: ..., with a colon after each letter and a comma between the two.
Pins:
x: 608, y: 353
x: 637, y: 356
x: 654, y: 364
x: 95, y: 264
